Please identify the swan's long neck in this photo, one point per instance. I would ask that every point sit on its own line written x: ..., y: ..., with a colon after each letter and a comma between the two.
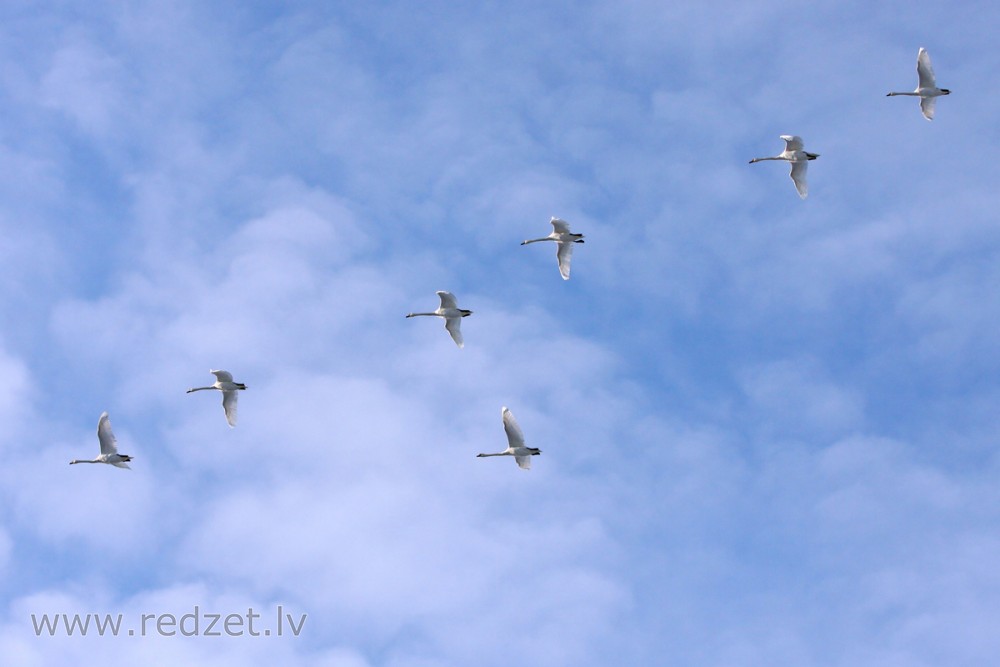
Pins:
x: 913, y: 94
x: 419, y: 314
x: 547, y: 238
x: 494, y: 454
x: 83, y: 461
x: 761, y: 159
x: 200, y: 389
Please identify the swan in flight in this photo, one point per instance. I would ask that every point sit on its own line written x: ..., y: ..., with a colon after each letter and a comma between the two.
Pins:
x: 926, y: 90
x: 452, y: 315
x: 564, y: 240
x: 515, y: 442
x: 799, y: 158
x: 224, y: 383
x: 109, y: 447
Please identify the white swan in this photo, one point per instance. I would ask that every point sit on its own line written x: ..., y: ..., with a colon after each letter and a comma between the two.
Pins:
x: 515, y: 442
x: 224, y: 383
x: 926, y: 90
x: 565, y: 240
x: 799, y: 158
x: 452, y: 315
x: 109, y: 447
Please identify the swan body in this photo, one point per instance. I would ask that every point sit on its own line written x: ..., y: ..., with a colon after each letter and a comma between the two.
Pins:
x: 564, y: 241
x: 799, y: 159
x: 515, y: 442
x: 452, y: 315
x: 224, y: 383
x: 927, y: 89
x: 109, y: 446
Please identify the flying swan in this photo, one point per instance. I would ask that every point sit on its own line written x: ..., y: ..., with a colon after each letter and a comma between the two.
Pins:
x: 224, y: 383
x: 452, y: 315
x: 564, y: 240
x: 926, y: 90
x: 109, y: 447
x: 799, y: 158
x: 515, y: 442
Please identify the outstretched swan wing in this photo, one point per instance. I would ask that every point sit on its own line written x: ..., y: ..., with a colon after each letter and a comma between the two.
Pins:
x: 793, y: 142
x: 515, y: 438
x: 924, y: 70
x: 454, y: 327
x: 104, y: 434
x: 564, y: 253
x: 222, y: 376
x: 229, y: 405
x: 798, y: 175
x: 927, y: 107
x: 448, y: 300
x: 560, y: 226
x: 524, y: 462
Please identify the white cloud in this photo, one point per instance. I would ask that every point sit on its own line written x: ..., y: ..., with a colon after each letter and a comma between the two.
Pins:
x: 795, y: 394
x: 83, y: 83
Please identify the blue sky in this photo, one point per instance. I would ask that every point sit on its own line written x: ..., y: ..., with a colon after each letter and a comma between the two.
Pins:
x: 769, y: 425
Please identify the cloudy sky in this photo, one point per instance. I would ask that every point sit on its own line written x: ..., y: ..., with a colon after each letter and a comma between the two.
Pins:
x: 769, y: 425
